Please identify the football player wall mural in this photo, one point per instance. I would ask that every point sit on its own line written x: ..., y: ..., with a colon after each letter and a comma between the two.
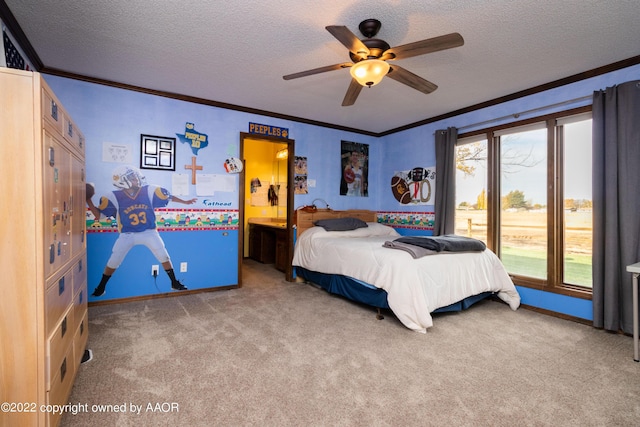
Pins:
x: 132, y: 203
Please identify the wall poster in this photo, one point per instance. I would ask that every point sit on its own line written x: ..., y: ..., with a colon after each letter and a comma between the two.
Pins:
x: 354, y: 161
x: 300, y: 175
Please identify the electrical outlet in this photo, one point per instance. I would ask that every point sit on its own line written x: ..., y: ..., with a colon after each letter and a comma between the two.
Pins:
x: 154, y: 270
x: 183, y: 267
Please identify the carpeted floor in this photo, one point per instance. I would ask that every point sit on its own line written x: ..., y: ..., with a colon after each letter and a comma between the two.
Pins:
x: 275, y: 353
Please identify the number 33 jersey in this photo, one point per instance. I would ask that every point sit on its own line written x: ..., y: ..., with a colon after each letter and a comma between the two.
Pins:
x: 134, y: 213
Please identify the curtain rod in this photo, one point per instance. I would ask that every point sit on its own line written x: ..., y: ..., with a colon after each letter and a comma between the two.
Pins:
x: 534, y: 110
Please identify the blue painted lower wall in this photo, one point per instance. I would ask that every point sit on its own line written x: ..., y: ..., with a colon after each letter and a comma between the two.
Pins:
x: 211, y: 257
x: 571, y: 306
x: 413, y: 232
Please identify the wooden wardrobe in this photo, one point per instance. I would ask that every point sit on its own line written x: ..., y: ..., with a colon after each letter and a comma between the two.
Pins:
x: 43, y: 264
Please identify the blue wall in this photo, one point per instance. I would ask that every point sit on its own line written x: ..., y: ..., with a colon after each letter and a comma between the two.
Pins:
x: 111, y: 115
x: 404, y: 150
x: 211, y: 256
x: 108, y: 114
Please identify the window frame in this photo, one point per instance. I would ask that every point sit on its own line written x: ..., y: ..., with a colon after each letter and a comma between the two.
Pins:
x: 555, y: 197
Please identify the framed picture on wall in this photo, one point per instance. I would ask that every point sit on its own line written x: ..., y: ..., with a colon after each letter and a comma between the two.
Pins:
x: 157, y: 152
x: 354, y: 164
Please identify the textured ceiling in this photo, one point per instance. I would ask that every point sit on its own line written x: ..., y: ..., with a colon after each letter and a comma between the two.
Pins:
x: 236, y: 52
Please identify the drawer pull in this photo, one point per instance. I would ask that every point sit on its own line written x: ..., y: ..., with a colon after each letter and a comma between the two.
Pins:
x: 61, y: 286
x: 63, y: 369
x: 52, y: 155
x: 63, y: 327
x: 54, y: 110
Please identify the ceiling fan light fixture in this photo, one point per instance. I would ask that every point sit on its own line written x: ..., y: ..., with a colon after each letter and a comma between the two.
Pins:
x: 369, y: 72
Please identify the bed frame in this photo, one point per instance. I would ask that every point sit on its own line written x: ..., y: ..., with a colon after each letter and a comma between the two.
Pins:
x: 305, y: 220
x: 348, y: 287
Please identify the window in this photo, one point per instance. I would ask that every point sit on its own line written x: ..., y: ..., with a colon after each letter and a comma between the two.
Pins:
x: 471, y: 188
x: 577, y: 219
x: 523, y: 200
x: 525, y: 190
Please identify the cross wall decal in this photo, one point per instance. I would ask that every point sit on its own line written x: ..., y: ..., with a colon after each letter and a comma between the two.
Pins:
x: 193, y: 168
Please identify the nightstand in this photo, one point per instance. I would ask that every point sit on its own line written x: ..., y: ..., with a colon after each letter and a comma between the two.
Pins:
x: 634, y: 269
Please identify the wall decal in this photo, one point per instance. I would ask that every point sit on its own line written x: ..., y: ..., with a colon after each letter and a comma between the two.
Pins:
x: 233, y: 165
x: 193, y: 138
x: 268, y: 130
x: 132, y: 206
x: 413, y: 220
x: 193, y: 167
x: 416, y: 186
x: 175, y: 219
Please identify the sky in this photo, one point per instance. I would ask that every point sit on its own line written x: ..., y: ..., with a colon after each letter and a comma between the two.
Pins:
x: 531, y: 179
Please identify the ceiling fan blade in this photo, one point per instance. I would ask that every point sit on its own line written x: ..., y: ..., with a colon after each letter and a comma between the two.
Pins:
x: 403, y: 76
x: 317, y: 70
x: 352, y: 93
x: 422, y: 47
x: 350, y: 40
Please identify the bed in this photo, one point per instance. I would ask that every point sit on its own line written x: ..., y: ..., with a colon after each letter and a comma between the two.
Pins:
x: 355, y: 263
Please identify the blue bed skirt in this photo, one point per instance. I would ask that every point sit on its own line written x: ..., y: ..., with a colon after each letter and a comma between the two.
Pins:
x: 365, y: 293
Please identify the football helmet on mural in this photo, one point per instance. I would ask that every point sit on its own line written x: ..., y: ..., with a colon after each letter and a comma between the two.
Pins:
x: 125, y: 177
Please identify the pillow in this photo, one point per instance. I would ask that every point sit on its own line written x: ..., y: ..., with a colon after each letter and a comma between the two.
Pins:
x: 373, y: 229
x: 380, y: 230
x: 340, y: 224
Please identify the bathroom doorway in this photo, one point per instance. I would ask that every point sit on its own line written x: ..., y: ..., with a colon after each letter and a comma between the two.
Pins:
x: 266, y: 202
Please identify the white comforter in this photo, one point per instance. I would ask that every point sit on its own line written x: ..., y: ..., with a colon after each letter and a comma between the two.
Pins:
x: 415, y: 287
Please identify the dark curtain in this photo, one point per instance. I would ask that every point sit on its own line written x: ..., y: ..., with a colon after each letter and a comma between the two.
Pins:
x: 445, y: 202
x: 616, y: 203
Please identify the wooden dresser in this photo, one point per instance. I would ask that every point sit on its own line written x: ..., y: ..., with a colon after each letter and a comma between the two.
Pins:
x: 43, y: 298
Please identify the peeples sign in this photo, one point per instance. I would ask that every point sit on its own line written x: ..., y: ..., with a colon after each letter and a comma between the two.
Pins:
x: 267, y: 130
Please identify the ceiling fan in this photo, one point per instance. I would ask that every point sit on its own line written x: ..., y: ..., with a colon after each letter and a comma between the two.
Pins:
x: 369, y: 58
